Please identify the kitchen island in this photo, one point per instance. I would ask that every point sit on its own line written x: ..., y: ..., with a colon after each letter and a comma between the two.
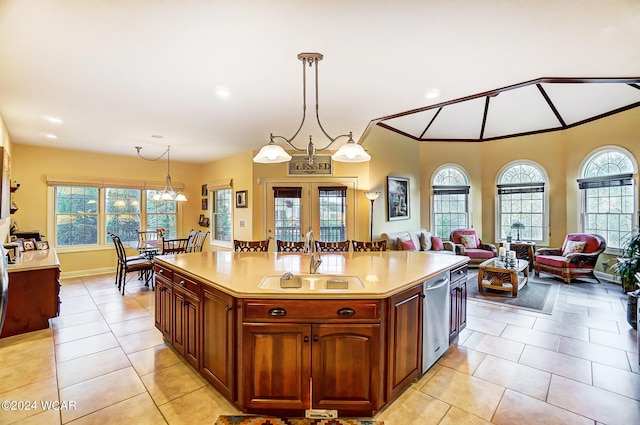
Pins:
x: 275, y: 350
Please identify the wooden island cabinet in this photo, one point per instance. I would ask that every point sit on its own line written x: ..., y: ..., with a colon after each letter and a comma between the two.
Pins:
x: 33, y: 294
x: 281, y: 352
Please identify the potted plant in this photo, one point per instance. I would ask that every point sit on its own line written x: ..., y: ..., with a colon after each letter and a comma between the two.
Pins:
x: 626, y: 267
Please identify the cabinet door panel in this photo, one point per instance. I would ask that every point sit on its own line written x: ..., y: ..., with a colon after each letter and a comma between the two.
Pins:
x: 346, y: 367
x: 191, y: 319
x: 178, y: 321
x: 405, y: 340
x: 218, y: 340
x: 276, y: 366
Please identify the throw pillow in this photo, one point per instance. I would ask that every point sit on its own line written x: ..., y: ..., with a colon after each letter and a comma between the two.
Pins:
x: 406, y: 244
x: 572, y: 247
x: 436, y: 243
x: 468, y: 241
x: 425, y: 242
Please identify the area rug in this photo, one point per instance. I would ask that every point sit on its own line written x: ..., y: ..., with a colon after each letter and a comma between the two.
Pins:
x: 264, y: 420
x: 537, y: 295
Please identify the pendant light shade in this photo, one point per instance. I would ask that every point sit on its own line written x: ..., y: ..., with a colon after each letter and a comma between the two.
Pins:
x: 351, y: 152
x: 168, y: 193
x: 271, y: 154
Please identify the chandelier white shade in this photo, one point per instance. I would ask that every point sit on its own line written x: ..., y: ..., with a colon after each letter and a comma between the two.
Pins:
x: 349, y: 152
x: 271, y: 154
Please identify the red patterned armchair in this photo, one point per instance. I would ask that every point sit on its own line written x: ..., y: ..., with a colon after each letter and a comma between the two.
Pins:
x: 576, y: 258
x: 468, y: 243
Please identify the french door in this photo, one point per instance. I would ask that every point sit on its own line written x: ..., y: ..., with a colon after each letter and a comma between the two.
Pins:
x: 326, y: 206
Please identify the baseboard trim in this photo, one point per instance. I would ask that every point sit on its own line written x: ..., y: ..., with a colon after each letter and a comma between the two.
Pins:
x: 89, y: 272
x: 607, y: 277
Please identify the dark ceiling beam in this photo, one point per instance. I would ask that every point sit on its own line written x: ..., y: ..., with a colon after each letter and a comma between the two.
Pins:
x: 430, y: 122
x: 551, y: 105
x: 484, y: 117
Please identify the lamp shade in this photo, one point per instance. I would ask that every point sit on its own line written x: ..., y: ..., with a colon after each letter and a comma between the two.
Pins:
x: 351, y: 152
x: 271, y: 154
x: 372, y: 196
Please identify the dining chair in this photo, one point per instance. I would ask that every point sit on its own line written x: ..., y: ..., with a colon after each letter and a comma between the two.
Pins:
x: 373, y: 246
x: 332, y: 246
x: 286, y: 246
x: 130, y: 264
x: 251, y: 246
x: 198, y: 241
x: 174, y: 246
x: 192, y: 237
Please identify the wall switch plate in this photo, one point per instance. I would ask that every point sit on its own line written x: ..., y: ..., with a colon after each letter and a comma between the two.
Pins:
x: 241, y: 223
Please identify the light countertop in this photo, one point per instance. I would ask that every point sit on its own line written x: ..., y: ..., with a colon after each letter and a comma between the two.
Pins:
x: 382, y: 274
x: 35, y: 260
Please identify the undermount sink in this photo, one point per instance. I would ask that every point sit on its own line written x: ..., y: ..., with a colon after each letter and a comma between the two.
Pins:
x: 311, y: 282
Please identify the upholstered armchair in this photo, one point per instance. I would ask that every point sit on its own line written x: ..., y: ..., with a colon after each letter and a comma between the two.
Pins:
x: 468, y: 243
x: 577, y: 257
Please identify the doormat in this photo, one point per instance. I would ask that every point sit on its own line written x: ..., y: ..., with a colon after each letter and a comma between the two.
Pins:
x: 537, y: 295
x: 264, y: 420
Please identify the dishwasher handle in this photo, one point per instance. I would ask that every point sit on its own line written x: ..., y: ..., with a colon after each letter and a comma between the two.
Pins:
x: 445, y: 281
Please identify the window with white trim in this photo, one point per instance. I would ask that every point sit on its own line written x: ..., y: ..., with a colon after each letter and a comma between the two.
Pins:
x: 522, y: 199
x: 608, y: 195
x: 221, y: 211
x: 450, y: 201
x: 85, y: 210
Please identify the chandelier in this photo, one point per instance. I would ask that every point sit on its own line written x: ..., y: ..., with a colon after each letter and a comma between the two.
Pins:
x: 168, y: 193
x: 273, y: 153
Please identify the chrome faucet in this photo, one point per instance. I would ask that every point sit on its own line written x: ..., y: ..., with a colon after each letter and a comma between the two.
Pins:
x: 310, y: 248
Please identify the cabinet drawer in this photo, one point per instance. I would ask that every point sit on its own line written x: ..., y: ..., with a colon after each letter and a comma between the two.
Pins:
x: 161, y: 271
x: 186, y: 283
x: 311, y: 310
x: 458, y: 273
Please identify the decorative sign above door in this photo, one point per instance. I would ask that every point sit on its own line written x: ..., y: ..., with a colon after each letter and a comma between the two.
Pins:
x: 299, y: 166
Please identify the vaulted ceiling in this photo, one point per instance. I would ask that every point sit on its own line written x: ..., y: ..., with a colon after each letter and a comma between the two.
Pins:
x: 215, y: 78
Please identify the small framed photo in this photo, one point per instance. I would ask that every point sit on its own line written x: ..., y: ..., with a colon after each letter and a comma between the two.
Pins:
x: 397, y: 198
x: 203, y: 221
x: 29, y: 244
x: 204, y: 190
x: 42, y: 245
x: 241, y: 199
x: 205, y: 204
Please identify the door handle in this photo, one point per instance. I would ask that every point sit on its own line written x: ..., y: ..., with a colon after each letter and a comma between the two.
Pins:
x: 346, y: 312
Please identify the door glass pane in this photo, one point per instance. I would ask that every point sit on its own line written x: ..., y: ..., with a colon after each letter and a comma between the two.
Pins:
x: 333, y: 226
x: 287, y: 213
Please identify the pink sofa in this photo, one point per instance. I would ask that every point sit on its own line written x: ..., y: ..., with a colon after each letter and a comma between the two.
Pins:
x: 577, y: 257
x: 477, y: 254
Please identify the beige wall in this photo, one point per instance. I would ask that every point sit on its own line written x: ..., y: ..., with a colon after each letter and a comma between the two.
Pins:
x: 31, y: 164
x: 6, y: 143
x: 560, y: 153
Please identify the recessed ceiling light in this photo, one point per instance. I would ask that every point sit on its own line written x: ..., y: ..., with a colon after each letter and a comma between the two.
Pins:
x: 53, y: 120
x: 432, y: 93
x: 222, y: 91
x: 157, y: 136
x: 50, y: 136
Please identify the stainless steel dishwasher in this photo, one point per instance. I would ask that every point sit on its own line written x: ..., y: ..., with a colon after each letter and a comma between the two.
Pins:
x: 435, y: 330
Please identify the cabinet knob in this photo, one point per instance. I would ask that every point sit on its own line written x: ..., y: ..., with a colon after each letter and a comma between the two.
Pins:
x: 315, y: 338
x: 306, y: 339
x: 161, y: 271
x: 183, y: 283
x: 277, y: 312
x: 346, y: 312
x: 228, y: 308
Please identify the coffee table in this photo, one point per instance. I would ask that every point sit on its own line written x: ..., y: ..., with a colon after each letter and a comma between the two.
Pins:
x: 492, y: 274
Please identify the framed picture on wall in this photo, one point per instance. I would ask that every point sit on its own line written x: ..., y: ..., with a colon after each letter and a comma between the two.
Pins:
x: 241, y: 199
x: 205, y: 204
x: 397, y: 198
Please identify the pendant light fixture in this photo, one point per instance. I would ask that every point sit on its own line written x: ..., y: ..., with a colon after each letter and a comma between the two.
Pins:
x: 168, y: 193
x: 273, y: 153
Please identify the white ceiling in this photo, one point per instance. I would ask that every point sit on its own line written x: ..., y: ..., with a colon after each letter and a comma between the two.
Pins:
x: 119, y: 71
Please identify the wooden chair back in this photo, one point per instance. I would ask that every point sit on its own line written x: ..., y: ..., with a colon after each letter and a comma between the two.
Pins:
x: 373, y: 246
x: 332, y: 246
x: 286, y: 246
x: 197, y: 242
x: 251, y: 246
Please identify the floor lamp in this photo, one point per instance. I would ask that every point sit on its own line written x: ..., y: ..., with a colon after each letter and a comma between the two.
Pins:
x: 372, y: 196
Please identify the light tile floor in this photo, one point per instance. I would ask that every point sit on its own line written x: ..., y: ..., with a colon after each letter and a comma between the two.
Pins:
x: 105, y: 359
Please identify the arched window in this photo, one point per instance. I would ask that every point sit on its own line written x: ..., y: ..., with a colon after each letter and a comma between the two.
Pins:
x: 522, y: 199
x: 450, y: 201
x: 608, y: 196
